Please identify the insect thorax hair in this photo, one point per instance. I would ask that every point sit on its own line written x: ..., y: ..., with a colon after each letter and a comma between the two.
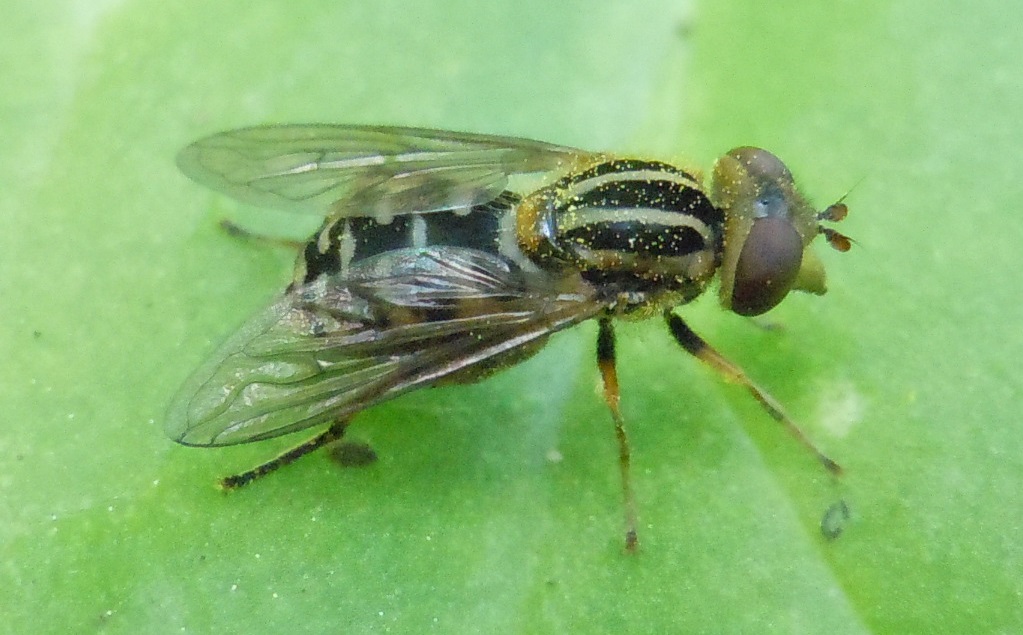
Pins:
x: 644, y: 233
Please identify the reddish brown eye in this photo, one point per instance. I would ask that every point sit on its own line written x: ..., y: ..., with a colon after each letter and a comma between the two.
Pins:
x: 761, y: 164
x: 767, y: 266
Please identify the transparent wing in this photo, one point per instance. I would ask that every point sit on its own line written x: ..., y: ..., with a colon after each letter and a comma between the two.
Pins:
x: 329, y: 349
x: 364, y: 170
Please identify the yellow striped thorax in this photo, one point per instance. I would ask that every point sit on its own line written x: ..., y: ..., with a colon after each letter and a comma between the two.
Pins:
x: 648, y: 233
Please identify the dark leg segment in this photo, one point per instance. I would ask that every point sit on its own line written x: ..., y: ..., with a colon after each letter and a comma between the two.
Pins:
x: 331, y: 434
x: 608, y: 372
x: 237, y: 231
x: 703, y: 351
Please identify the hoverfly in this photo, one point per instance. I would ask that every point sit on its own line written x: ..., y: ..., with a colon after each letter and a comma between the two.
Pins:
x: 431, y: 267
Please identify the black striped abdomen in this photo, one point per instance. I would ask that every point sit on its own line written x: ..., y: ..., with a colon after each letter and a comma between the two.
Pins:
x: 344, y: 241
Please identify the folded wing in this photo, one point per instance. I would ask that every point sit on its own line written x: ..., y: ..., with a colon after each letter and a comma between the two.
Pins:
x: 331, y: 348
x: 373, y: 171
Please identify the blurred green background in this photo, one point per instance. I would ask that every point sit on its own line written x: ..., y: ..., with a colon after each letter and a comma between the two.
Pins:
x: 116, y: 282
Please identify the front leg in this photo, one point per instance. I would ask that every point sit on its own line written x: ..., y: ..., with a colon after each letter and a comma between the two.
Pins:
x: 704, y: 352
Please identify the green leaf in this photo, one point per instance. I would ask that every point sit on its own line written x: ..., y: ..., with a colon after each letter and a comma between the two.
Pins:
x: 496, y: 507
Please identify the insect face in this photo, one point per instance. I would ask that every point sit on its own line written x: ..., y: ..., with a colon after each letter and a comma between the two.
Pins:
x: 768, y: 227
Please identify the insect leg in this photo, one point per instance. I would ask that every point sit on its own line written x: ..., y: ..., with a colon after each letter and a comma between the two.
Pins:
x: 237, y: 231
x: 333, y: 433
x: 606, y: 363
x: 703, y: 351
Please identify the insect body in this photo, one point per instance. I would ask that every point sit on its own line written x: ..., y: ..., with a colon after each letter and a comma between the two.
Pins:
x: 431, y: 267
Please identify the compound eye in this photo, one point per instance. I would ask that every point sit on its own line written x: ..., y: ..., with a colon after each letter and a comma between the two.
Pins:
x: 767, y: 266
x: 760, y: 163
